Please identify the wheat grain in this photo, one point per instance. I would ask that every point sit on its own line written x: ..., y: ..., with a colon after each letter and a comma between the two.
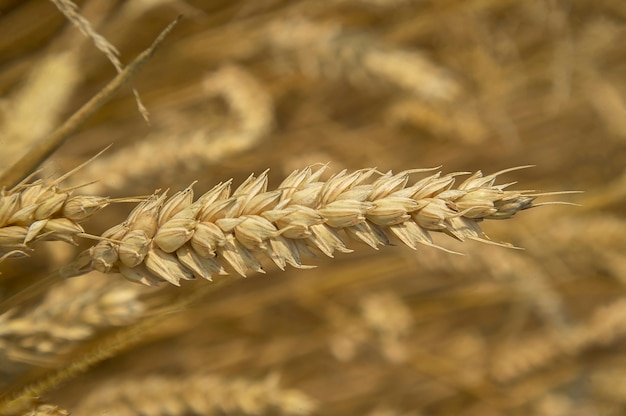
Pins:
x: 38, y: 211
x: 41, y: 210
x: 179, y: 239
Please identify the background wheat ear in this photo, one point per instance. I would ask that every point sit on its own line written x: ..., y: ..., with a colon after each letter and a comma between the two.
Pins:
x: 241, y: 87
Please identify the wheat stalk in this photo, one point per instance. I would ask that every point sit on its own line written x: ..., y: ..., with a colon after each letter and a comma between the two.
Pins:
x: 70, y: 10
x: 45, y: 147
x: 178, y: 239
x: 249, y: 101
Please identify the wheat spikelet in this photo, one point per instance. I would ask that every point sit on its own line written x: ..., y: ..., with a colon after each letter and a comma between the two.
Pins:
x: 196, y: 394
x: 41, y: 211
x: 179, y: 239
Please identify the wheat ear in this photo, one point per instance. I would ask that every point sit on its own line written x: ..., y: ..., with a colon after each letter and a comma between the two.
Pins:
x: 69, y: 313
x: 196, y: 394
x: 46, y: 410
x: 179, y: 239
x: 42, y: 210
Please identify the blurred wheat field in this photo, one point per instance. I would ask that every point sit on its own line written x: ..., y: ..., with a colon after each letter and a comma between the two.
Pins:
x: 241, y: 86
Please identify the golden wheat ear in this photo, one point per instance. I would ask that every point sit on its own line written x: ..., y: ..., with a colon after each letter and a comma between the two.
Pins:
x: 42, y: 210
x: 46, y: 410
x: 189, y: 394
x: 181, y: 239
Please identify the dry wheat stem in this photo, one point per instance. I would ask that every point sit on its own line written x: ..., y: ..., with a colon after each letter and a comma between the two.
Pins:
x: 178, y: 239
x: 251, y: 106
x: 70, y: 11
x: 22, y: 398
x: 18, y: 403
x: 48, y: 145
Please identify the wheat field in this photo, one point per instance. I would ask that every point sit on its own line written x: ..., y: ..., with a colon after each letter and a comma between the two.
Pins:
x: 114, y: 301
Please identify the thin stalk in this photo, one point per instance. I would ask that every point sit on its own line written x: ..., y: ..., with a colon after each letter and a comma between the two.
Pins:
x: 51, y: 143
x: 16, y: 403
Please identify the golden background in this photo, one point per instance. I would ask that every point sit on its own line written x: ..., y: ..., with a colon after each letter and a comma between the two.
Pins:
x: 241, y: 86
